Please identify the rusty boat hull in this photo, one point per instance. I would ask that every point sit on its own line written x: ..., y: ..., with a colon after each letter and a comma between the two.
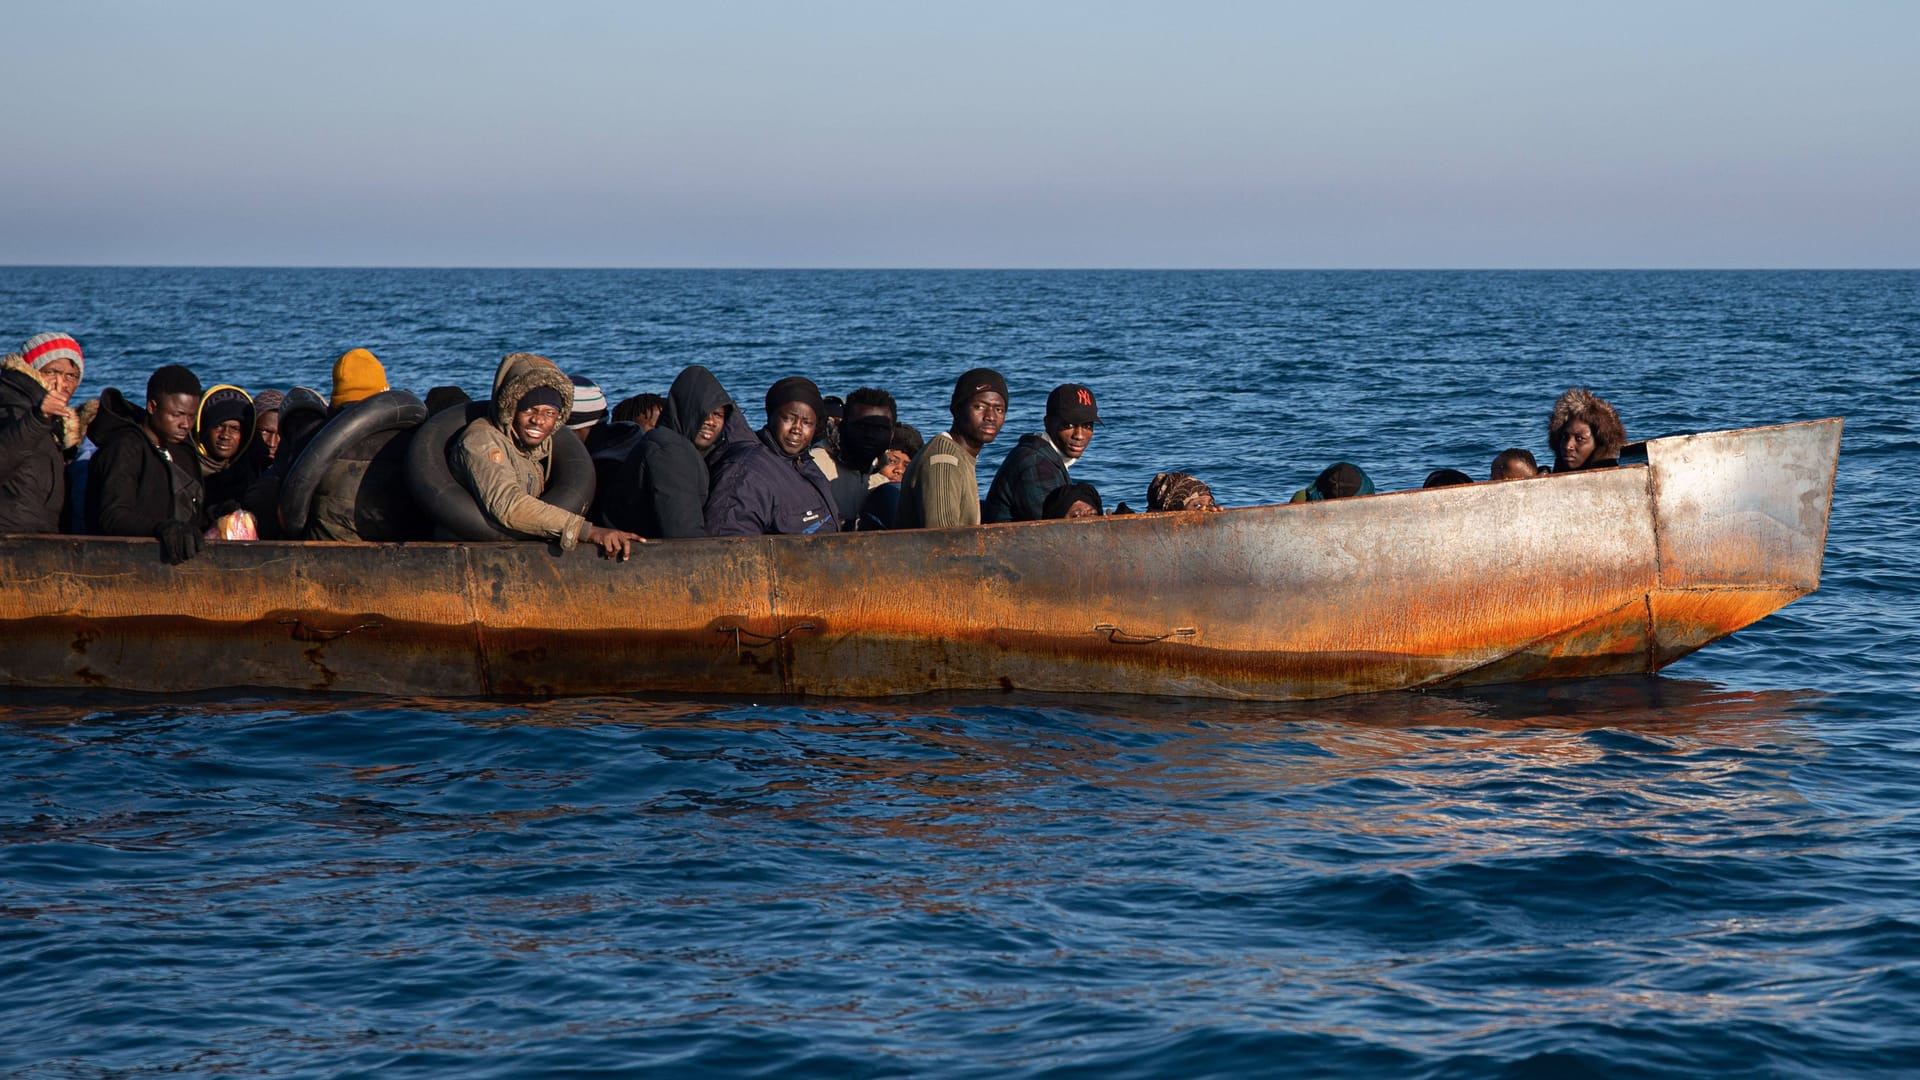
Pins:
x: 1610, y: 572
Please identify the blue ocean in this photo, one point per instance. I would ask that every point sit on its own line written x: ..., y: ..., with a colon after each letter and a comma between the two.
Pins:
x: 1712, y: 872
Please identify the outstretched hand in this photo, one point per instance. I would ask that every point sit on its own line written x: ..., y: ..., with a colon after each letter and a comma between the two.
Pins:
x: 613, y: 543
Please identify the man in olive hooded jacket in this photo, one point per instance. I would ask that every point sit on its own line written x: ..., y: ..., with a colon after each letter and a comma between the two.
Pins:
x: 504, y: 458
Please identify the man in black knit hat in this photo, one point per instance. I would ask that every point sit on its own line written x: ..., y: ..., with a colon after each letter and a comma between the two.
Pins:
x: 941, y: 487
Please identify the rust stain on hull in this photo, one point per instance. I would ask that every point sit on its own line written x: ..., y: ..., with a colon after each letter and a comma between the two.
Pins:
x: 1596, y: 573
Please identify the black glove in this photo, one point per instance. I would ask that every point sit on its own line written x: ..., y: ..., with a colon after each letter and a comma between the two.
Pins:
x: 179, y: 541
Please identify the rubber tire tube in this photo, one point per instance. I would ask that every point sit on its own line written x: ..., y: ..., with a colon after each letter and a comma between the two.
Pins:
x: 388, y: 410
x: 453, y: 507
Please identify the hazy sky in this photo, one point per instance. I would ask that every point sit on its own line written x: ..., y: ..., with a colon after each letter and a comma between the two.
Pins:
x: 967, y: 133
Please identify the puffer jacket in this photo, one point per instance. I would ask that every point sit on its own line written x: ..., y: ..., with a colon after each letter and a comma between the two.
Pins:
x: 758, y: 490
x: 34, y: 450
x: 506, y: 479
x: 133, y: 485
x: 661, y: 490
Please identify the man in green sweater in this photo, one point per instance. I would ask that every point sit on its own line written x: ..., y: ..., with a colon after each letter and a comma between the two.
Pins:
x: 940, y: 487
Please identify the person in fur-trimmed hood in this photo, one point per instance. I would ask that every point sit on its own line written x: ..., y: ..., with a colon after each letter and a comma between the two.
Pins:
x: 39, y: 432
x: 504, y: 458
x: 1585, y: 432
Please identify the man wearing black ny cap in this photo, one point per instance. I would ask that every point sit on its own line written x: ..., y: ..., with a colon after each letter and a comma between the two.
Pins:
x: 1039, y: 464
x: 940, y: 487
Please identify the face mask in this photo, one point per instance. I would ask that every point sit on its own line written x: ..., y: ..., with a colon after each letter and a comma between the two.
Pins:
x: 863, y: 440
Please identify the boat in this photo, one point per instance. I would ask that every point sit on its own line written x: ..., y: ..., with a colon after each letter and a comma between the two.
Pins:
x: 1602, y: 572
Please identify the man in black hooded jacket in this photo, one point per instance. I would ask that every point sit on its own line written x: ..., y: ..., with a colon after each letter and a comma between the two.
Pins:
x: 660, y: 490
x: 145, y: 478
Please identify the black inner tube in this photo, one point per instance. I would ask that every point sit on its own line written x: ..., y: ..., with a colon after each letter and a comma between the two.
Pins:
x: 449, y: 502
x: 388, y: 410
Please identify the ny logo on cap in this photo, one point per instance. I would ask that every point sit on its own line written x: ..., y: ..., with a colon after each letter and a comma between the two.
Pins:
x: 1086, y: 396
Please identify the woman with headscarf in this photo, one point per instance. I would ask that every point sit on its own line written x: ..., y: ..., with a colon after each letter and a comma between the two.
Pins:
x: 1585, y: 432
x: 299, y: 415
x: 503, y: 458
x: 1172, y: 491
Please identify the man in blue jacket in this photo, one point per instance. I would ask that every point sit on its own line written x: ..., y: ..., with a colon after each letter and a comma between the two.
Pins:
x: 771, y: 484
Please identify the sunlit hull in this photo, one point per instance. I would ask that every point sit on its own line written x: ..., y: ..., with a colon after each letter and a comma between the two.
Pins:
x: 1614, y: 571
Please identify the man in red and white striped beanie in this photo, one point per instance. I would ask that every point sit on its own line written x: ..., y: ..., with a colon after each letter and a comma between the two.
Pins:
x: 43, y: 349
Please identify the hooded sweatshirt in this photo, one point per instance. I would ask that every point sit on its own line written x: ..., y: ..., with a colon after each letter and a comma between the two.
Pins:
x: 225, y: 480
x: 660, y: 491
x: 618, y: 440
x: 506, y: 478
x: 34, y: 449
x: 133, y: 486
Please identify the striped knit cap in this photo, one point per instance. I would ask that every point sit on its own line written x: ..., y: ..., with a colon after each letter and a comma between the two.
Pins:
x: 589, y: 404
x: 43, y: 349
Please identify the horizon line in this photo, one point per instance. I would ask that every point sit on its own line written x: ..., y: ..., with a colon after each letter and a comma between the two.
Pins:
x: 971, y: 269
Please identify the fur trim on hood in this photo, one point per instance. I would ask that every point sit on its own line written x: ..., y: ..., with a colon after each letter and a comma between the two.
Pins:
x: 73, y: 426
x: 88, y: 409
x: 520, y: 373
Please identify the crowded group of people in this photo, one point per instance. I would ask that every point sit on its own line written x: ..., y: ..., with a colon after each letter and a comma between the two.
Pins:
x: 191, y: 462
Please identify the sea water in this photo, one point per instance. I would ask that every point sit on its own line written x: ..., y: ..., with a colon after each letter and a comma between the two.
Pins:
x: 1711, y: 872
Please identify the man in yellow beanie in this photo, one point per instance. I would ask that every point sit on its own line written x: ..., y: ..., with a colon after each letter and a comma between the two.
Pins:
x: 362, y: 494
x: 356, y: 377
